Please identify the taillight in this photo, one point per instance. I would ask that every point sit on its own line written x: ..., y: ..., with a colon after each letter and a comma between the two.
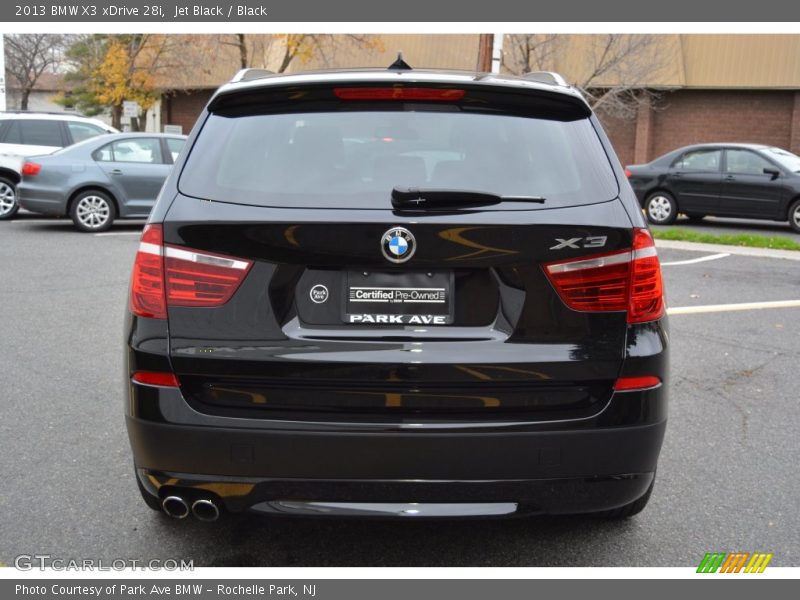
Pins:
x: 30, y: 169
x: 176, y: 276
x: 628, y: 173
x: 641, y: 382
x: 398, y: 93
x: 156, y: 378
x: 147, y: 282
x: 627, y: 280
x: 199, y: 279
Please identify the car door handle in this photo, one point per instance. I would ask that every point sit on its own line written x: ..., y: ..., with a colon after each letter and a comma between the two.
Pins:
x: 730, y: 178
x: 116, y: 171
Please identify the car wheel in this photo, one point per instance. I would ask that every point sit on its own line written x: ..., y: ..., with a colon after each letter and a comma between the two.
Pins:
x: 623, y: 512
x: 8, y: 199
x: 661, y: 209
x: 93, y: 211
x: 696, y: 218
x: 794, y: 216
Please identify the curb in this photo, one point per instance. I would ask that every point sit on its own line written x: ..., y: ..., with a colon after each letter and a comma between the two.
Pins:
x: 738, y: 250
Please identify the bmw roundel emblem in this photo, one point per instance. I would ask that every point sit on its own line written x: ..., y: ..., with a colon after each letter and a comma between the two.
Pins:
x: 398, y: 245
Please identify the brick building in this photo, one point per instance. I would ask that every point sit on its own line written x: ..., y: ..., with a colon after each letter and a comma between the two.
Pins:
x: 709, y: 87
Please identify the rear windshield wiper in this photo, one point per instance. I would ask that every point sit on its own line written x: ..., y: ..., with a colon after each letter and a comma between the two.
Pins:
x: 421, y: 199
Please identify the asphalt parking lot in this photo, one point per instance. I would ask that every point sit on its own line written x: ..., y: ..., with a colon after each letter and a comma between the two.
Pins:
x: 727, y: 478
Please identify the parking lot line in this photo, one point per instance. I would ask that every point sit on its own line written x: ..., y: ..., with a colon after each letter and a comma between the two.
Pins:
x: 712, y: 308
x: 109, y: 233
x: 692, y: 261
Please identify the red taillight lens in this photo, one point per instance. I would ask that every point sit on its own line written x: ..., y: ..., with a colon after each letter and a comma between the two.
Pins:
x: 147, y: 283
x: 642, y: 382
x: 199, y: 279
x: 29, y: 169
x: 647, y: 287
x: 628, y: 280
x: 628, y: 173
x: 398, y: 93
x: 176, y: 276
x: 156, y: 378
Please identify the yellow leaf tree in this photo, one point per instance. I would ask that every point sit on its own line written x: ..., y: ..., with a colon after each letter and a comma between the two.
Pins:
x: 122, y: 77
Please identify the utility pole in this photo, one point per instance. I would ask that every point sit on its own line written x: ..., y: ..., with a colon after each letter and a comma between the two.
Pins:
x: 485, y: 44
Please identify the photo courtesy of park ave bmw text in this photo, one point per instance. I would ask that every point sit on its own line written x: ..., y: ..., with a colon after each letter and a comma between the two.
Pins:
x: 344, y: 286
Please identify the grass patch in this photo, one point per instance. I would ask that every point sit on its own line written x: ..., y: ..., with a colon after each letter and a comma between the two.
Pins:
x: 743, y: 239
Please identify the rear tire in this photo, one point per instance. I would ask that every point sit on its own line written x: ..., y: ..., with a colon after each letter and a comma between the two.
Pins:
x: 8, y: 199
x: 623, y: 512
x: 661, y: 208
x: 92, y: 211
x: 794, y: 216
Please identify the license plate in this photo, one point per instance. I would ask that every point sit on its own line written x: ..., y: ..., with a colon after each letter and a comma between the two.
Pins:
x: 398, y: 298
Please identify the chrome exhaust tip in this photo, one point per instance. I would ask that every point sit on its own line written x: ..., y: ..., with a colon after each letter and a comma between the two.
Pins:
x: 205, y: 510
x: 175, y: 507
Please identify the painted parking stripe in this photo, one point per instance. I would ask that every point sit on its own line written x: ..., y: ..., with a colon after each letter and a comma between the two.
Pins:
x: 692, y: 261
x: 110, y: 233
x: 712, y: 308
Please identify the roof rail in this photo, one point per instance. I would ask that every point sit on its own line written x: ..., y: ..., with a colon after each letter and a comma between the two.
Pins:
x: 548, y: 77
x: 68, y: 113
x: 251, y: 74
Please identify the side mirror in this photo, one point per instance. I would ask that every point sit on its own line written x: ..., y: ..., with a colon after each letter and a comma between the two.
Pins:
x: 770, y: 171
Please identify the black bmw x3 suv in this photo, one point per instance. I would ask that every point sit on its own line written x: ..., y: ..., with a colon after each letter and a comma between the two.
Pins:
x: 396, y: 293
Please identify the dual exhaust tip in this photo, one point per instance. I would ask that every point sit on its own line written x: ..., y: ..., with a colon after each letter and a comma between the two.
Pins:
x: 202, y: 510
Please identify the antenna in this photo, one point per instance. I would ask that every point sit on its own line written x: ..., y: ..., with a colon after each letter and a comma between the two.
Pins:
x: 399, y: 64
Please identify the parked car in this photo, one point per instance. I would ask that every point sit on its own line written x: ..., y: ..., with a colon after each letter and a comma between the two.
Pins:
x: 99, y: 180
x: 396, y: 293
x: 748, y: 181
x: 24, y: 134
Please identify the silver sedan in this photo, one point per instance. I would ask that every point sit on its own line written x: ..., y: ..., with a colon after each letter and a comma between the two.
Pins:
x: 101, y: 179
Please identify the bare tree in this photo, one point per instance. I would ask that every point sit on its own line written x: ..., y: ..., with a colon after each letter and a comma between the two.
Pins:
x: 30, y: 55
x: 615, y: 72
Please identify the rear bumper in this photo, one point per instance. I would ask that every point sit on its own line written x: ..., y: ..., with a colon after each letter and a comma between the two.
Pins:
x: 571, y: 469
x: 42, y: 200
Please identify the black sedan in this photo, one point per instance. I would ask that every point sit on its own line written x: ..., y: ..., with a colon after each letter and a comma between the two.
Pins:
x: 748, y: 181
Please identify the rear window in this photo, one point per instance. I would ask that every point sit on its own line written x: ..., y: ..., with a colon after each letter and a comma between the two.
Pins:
x: 353, y: 159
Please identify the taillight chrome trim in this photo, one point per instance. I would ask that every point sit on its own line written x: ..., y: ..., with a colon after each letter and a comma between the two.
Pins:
x: 206, y: 259
x: 148, y: 248
x: 570, y: 266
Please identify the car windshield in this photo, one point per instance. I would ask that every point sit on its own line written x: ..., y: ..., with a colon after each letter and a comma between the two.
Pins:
x: 353, y: 159
x: 786, y: 159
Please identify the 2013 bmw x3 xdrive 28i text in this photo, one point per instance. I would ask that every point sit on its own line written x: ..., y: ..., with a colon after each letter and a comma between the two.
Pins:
x: 396, y: 293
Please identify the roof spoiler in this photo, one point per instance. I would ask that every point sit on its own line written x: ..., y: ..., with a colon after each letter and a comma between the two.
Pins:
x: 251, y: 74
x: 548, y: 77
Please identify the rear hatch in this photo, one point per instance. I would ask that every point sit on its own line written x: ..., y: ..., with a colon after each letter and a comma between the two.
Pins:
x: 307, y: 294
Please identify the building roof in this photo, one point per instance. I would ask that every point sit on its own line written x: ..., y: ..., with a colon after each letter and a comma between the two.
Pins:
x: 703, y: 61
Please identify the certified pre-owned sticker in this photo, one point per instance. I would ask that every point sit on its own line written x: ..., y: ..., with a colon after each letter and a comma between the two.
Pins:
x: 393, y: 295
x: 318, y: 294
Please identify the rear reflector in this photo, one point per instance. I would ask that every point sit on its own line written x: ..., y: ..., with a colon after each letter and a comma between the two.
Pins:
x: 398, y: 93
x: 642, y: 382
x: 31, y: 169
x: 628, y: 280
x: 156, y: 378
x: 176, y: 276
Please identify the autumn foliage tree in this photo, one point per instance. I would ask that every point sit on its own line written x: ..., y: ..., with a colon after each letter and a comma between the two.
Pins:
x: 118, y: 79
